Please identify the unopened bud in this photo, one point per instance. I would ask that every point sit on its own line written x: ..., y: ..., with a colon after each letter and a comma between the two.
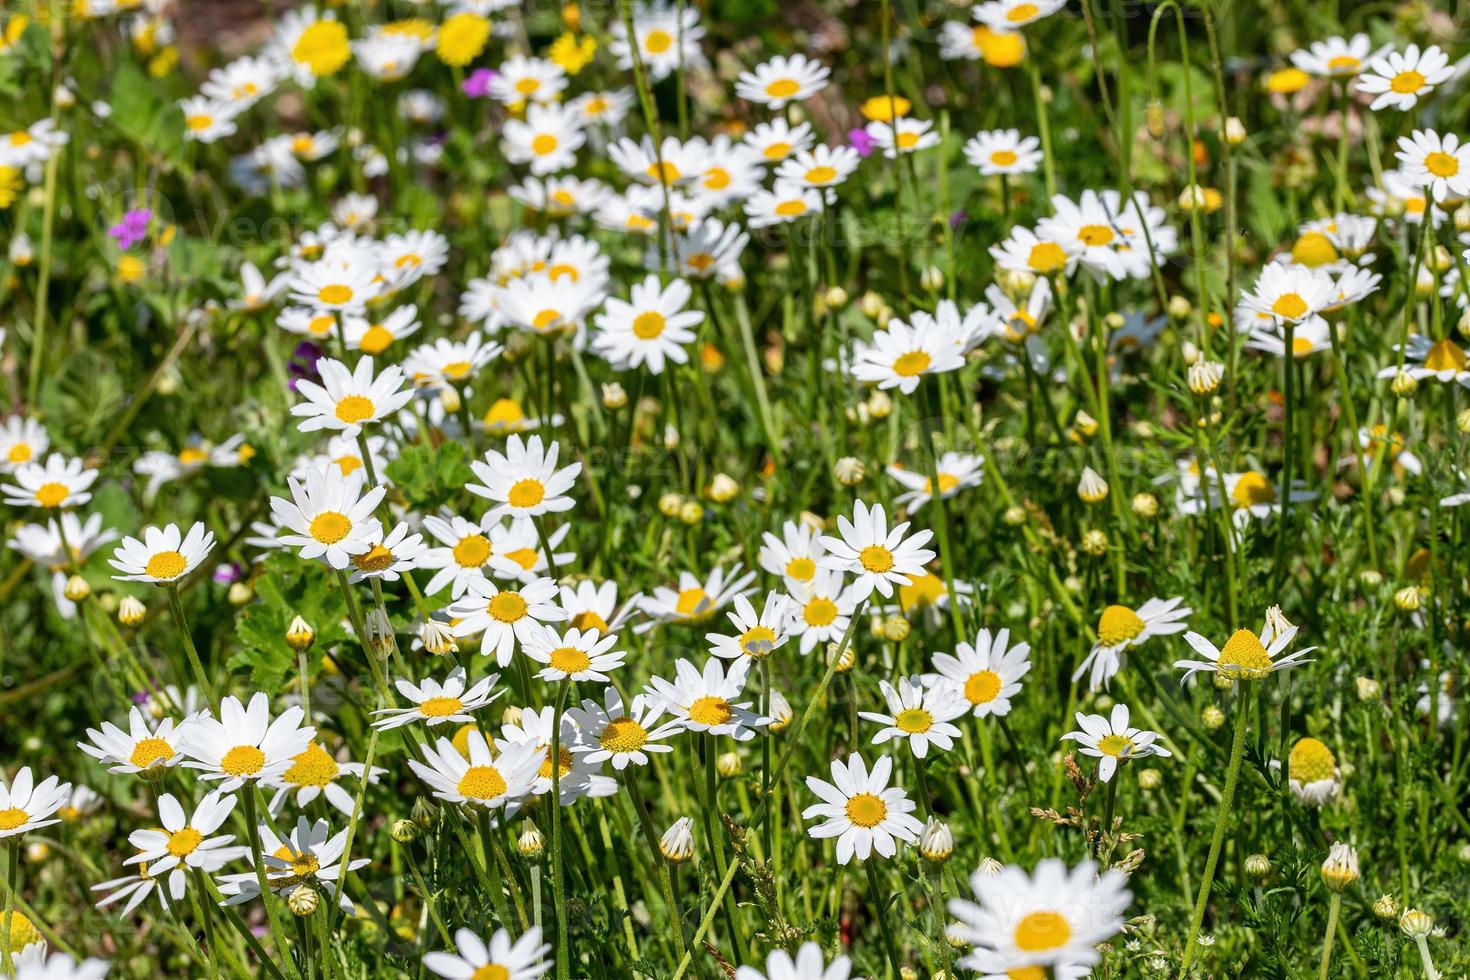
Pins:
x: 1154, y: 115
x: 1386, y: 908
x: 850, y: 471
x: 405, y: 831
x: 1150, y: 779
x: 936, y: 841
x: 1234, y: 131
x: 437, y: 637
x: 836, y: 297
x: 303, y: 901
x: 1407, y: 598
x: 1258, y: 866
x: 299, y: 635
x: 1014, y: 515
x: 1205, y: 376
x: 1179, y: 307
x: 896, y: 629
x: 677, y: 843
x: 880, y: 406
x: 130, y: 611
x: 728, y: 764
x: 1212, y: 718
x: 1145, y: 506
x: 1340, y: 870
x: 531, y: 843
x: 1095, y: 543
x: 932, y: 279
x: 691, y: 512
x: 614, y: 396
x: 1416, y: 924
x: 1369, y: 689
x: 723, y: 488
x: 77, y: 588
x: 1092, y: 488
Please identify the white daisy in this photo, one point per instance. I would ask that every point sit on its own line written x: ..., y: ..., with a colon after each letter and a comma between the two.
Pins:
x: 328, y: 516
x: 436, y: 703
x: 59, y: 483
x: 1111, y: 741
x: 919, y: 715
x: 162, y: 557
x: 651, y: 328
x: 26, y: 805
x: 1010, y: 15
x: 900, y: 356
x: 705, y: 701
x: 547, y: 140
x: 807, y: 965
x: 22, y: 439
x: 861, y: 810
x: 757, y: 635
x: 793, y: 555
x: 1399, y: 80
x: 525, y: 958
x: 187, y: 842
x: 243, y: 743
x: 957, y: 471
x: 315, y: 772
x: 879, y: 558
x: 1246, y: 655
x: 574, y: 655
x: 781, y: 80
x: 1121, y: 627
x: 988, y: 674
x: 524, y: 481
x: 1003, y: 151
x: 139, y: 749
x: 479, y: 776
x: 821, y: 609
x: 1336, y: 57
x: 505, y: 615
x: 622, y: 735
x: 346, y: 401
x: 694, y: 600
x: 902, y: 135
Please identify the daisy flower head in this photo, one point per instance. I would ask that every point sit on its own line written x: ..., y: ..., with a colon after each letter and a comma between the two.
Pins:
x: 310, y: 45
x: 901, y: 355
x: 1307, y: 338
x: 36, y: 962
x: 695, y: 600
x: 704, y: 701
x: 861, y: 810
x: 505, y: 615
x: 608, y: 107
x: 310, y: 856
x: 1027, y: 251
x: 774, y: 141
x: 504, y: 958
x: 520, y: 79
x: 329, y: 516
x: 1006, y: 152
x: 957, y: 471
x: 651, y: 328
x: 22, y: 439
x: 372, y: 336
x: 1336, y: 57
x: 1246, y: 656
x: 446, y: 363
x: 593, y: 606
x: 315, y: 772
x: 468, y: 553
x: 793, y: 555
x: 710, y: 249
x: 478, y: 775
x: 1438, y: 162
x: 877, y: 557
x: 919, y: 715
x: 407, y: 257
x: 451, y: 701
x: 244, y: 744
x: 31, y: 145
x: 547, y: 140
x: 187, y: 842
x: 388, y: 556
x: 524, y: 480
x: 1120, y: 627
x: 782, y: 79
x: 575, y: 775
x: 561, y: 197
x: 1441, y: 360
x: 163, y: 556
x: 342, y: 283
x: 1055, y: 916
x: 1251, y: 495
x: 1112, y: 742
x: 1312, y: 772
x: 667, y: 38
x: 622, y: 734
x: 1289, y: 294
x: 903, y: 135
x: 57, y: 484
x: 27, y: 805
x: 988, y: 674
x: 1399, y: 79
x: 821, y: 609
x: 758, y: 635
x: 574, y: 655
x: 1010, y: 15
x: 819, y: 168
x: 784, y: 203
x: 134, y: 887
x: 808, y: 964
x: 346, y: 401
x: 669, y: 163
x: 143, y: 748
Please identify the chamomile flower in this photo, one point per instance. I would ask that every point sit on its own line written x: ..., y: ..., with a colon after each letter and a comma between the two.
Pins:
x: 986, y: 675
x: 314, y: 772
x: 903, y: 135
x: 918, y: 715
x: 186, y: 843
x: 134, y: 887
x: 1289, y: 294
x: 561, y: 197
x: 142, y: 748
x: 27, y: 805
x: 667, y: 38
x: 1312, y: 773
x: 1440, y: 163
x: 651, y: 328
x: 957, y: 471
x: 606, y: 108
x: 479, y: 776
x: 347, y: 401
x: 372, y: 336
x: 1056, y: 916
x: 1399, y: 80
x: 206, y: 120
x: 704, y: 701
x: 594, y: 606
x: 669, y: 163
x: 1121, y: 627
x: 524, y: 481
x: 410, y: 256
x: 776, y: 140
x: 710, y: 249
x: 311, y: 856
x: 793, y: 555
x: 387, y: 58
x: 821, y: 609
x: 1251, y: 495
x: 861, y: 810
x: 520, y: 79
x: 547, y: 140
x: 576, y: 776
x: 807, y: 965
x: 758, y: 635
x: 1308, y: 338
x: 336, y: 285
x: 574, y: 655
x: 25, y: 147
x: 877, y: 557
x: 1026, y: 251
x: 58, y: 484
x: 22, y: 439
x: 1016, y: 323
x: 1112, y: 741
x: 243, y: 82
x: 1003, y: 151
x: 388, y: 556
x: 310, y: 45
x: 1336, y: 57
x: 436, y: 703
x: 163, y: 556
x: 781, y: 80
x: 1010, y: 15
x: 525, y: 958
x: 505, y: 615
x: 329, y: 516
x: 243, y: 743
x: 1441, y: 360
x: 468, y: 553
x: 786, y: 203
x: 1246, y: 656
x: 900, y: 355
x: 622, y: 734
x: 695, y: 600
x: 448, y: 362
x: 819, y: 168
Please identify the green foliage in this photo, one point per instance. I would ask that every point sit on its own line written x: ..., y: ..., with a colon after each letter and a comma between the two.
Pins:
x: 282, y: 594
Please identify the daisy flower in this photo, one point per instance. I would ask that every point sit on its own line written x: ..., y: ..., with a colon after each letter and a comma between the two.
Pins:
x: 903, y: 135
x: 479, y: 776
x: 342, y: 284
x: 1003, y: 152
x: 577, y: 776
x: 206, y: 120
x: 819, y: 168
x: 900, y: 355
x: 1308, y: 338
x: 608, y: 107
x: 32, y: 145
x: 1442, y: 360
x: 505, y: 959
x: 244, y: 744
x: 310, y: 856
x: 313, y: 773
x: 781, y: 80
x: 520, y: 79
x: 1121, y: 627
x: 704, y: 701
x: 988, y: 674
x: 309, y: 45
x: 861, y: 810
x: 388, y: 556
x: 450, y: 362
x: 1015, y: 323
x: 1336, y: 57
x: 58, y: 484
x: 328, y: 516
x: 667, y: 38
x: 1023, y: 250
x: 1399, y: 80
x: 1246, y: 655
x: 665, y: 164
x: 524, y: 480
x: 1250, y: 494
x: 1312, y: 773
x: 807, y: 965
x: 436, y: 703
x: 879, y: 558
x: 187, y: 842
x: 1289, y: 294
x: 787, y: 202
x: 793, y: 555
x: 162, y: 557
x: 573, y: 655
x: 622, y: 734
x: 918, y: 715
x: 26, y: 805
x: 505, y: 615
x: 695, y: 600
x: 1440, y: 163
x: 21, y: 440
x: 468, y: 553
x: 1111, y: 741
x: 372, y: 337
x: 758, y: 635
x: 957, y: 471
x: 1010, y: 15
x: 561, y: 197
x: 593, y: 606
x: 710, y: 249
x: 651, y: 327
x: 243, y: 81
x: 347, y: 400
x: 142, y: 748
x: 547, y: 140
x: 774, y: 141
x: 821, y: 609
x: 1055, y: 916
x: 134, y: 887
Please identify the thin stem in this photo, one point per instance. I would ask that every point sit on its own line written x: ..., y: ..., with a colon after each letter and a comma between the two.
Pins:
x: 880, y: 912
x: 650, y: 837
x: 1332, y: 911
x: 176, y: 608
x: 12, y: 879
x: 558, y: 885
x: 278, y: 932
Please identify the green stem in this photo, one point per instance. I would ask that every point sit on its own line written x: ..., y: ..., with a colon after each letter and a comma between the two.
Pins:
x: 558, y: 885
x: 880, y: 912
x: 1332, y: 911
x: 176, y: 607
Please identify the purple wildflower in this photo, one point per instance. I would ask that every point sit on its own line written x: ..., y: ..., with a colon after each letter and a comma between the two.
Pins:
x: 477, y: 86
x: 861, y: 141
x: 133, y: 227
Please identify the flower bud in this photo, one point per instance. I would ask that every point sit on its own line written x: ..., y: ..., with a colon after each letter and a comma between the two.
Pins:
x: 1205, y: 376
x: 1340, y: 870
x: 936, y: 841
x: 1258, y: 866
x: 1014, y: 515
x: 669, y: 504
x: 1150, y: 779
x: 1179, y: 307
x: 437, y: 637
x: 1234, y: 131
x: 1371, y: 578
x: 1145, y: 506
x: 871, y: 304
x: 845, y: 656
x: 836, y: 297
x: 1416, y: 924
x: 299, y: 635
x: 77, y: 589
x: 130, y: 611
x: 379, y: 632
x: 723, y: 488
x: 1212, y: 718
x: 1095, y: 543
x: 1092, y: 488
x: 531, y: 843
x: 1368, y: 689
x: 449, y: 399
x: 691, y: 512
x: 932, y: 279
x: 990, y: 867
x: 1404, y: 384
x: 240, y: 593
x: 728, y: 764
x: 1407, y: 598
x: 677, y: 843
x: 1084, y: 423
x: 614, y: 396
x: 896, y: 629
x: 880, y: 406
x: 1153, y: 115
x: 850, y: 471
x: 780, y: 711
x: 1386, y: 908
x: 303, y: 901
x: 405, y: 831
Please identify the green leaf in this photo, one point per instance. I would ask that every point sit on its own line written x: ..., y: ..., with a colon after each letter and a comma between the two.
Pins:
x: 428, y: 475
x: 286, y: 588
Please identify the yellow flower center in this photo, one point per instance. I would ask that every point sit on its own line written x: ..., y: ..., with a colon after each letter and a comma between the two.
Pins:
x: 329, y: 527
x: 693, y: 603
x: 710, y: 710
x: 472, y: 551
x: 543, y: 144
x: 12, y: 818
x: 912, y: 364
x: 866, y: 810
x: 19, y: 453
x: 242, y: 760
x: 491, y: 971
x: 801, y: 569
x: 524, y: 557
x: 922, y: 591
x: 793, y: 208
x: 1407, y: 82
x: 1311, y: 761
x: 623, y: 735
x: 20, y: 138
x: 716, y: 178
x: 1117, y: 746
x: 914, y: 720
x: 1046, y: 257
x: 335, y: 295
x: 1313, y: 249
x: 526, y: 493
x: 907, y: 140
x: 1243, y: 657
x: 52, y: 494
x: 647, y: 326
x: 589, y: 620
x: 776, y: 151
x: 1026, y: 973
x: 1039, y: 932
x: 657, y: 42
x: 150, y: 750
x: 821, y: 175
x: 664, y: 173
x: 1445, y: 356
x: 1022, y: 12
x: 564, y: 760
x: 1289, y: 305
x: 166, y: 565
x: 192, y: 456
x: 1003, y: 158
x: 820, y: 612
x: 441, y: 707
x: 481, y: 783
x: 354, y: 409
x: 199, y: 122
x: 183, y: 842
x: 505, y: 413
x: 982, y: 687
x: 1441, y: 164
x: 375, y: 339
x: 1302, y: 346
x: 322, y: 47
x: 757, y: 641
x: 783, y: 88
x: 375, y: 559
x: 569, y: 660
x: 876, y: 559
x: 1118, y: 624
x: 1251, y: 490
x: 1343, y: 64
x: 314, y: 767
x: 507, y: 607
